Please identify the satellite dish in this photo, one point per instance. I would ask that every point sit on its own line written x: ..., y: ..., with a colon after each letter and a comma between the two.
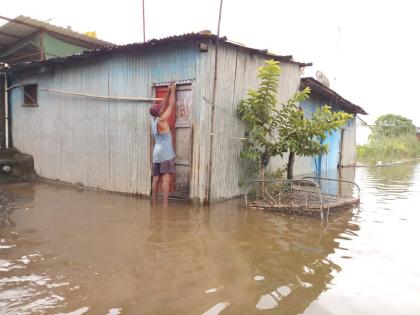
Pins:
x: 322, y: 78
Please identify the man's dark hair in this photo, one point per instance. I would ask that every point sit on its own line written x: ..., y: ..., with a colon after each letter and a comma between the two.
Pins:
x: 154, y: 110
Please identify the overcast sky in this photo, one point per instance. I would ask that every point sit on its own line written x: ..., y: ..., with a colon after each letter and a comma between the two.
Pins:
x: 367, y: 49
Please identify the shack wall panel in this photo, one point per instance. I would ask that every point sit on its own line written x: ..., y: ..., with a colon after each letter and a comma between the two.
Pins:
x: 349, y: 144
x: 98, y: 143
x: 226, y: 145
x: 202, y: 97
x: 84, y: 122
x: 238, y: 69
x: 33, y: 133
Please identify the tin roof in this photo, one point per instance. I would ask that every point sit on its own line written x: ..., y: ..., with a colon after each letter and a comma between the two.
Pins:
x: 22, y: 26
x: 320, y: 89
x: 150, y: 43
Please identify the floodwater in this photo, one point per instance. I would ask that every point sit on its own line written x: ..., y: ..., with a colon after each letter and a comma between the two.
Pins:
x: 69, y: 251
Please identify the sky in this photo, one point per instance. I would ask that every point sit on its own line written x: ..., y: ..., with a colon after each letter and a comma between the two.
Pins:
x: 367, y: 49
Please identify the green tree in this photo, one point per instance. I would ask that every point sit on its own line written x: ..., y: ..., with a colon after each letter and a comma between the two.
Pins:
x: 391, y: 125
x: 393, y: 138
x: 272, y: 131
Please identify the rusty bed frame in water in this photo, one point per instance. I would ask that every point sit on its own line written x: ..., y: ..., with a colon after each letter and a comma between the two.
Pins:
x: 307, y: 195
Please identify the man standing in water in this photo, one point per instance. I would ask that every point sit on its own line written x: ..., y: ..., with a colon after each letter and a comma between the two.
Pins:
x: 163, y: 151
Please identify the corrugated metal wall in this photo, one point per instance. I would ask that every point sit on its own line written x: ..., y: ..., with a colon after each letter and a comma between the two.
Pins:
x: 98, y: 143
x: 349, y: 144
x: 105, y: 143
x: 238, y: 69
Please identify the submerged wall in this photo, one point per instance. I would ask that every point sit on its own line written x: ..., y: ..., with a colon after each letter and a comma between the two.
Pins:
x: 238, y: 70
x: 341, y: 143
x: 95, y: 142
x: 349, y: 144
x: 106, y: 143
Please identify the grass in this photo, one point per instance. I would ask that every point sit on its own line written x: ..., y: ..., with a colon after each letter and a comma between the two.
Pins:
x: 389, y: 149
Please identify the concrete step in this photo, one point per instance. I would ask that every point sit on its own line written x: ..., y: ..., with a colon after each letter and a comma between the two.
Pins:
x: 8, y: 153
x: 16, y: 164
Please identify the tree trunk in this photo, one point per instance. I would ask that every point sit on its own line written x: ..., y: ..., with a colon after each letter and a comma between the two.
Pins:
x: 290, y: 164
x: 262, y: 175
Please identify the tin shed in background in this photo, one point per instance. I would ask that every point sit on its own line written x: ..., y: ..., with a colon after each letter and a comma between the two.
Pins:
x: 26, y: 39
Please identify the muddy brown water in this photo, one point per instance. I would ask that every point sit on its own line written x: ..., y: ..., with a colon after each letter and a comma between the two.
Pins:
x: 70, y: 251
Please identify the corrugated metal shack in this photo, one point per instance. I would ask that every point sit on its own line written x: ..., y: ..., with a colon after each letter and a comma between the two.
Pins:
x: 105, y: 141
x: 341, y: 143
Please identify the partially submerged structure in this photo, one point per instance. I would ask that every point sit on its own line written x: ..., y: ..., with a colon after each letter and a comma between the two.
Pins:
x: 341, y: 143
x: 307, y: 195
x: 85, y: 119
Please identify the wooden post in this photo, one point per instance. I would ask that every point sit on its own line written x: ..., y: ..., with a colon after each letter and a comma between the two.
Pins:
x: 210, y: 166
x: 2, y: 112
x: 41, y: 46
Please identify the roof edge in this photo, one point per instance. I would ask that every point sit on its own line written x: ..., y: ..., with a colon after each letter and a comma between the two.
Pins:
x: 318, y: 88
x: 150, y: 43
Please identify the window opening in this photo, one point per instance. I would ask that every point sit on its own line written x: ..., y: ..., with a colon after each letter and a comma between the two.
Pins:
x: 30, y: 95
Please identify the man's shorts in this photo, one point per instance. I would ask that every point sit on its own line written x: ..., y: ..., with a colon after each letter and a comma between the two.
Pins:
x: 165, y: 167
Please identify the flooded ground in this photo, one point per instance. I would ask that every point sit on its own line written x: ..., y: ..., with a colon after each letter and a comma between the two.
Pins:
x: 70, y: 251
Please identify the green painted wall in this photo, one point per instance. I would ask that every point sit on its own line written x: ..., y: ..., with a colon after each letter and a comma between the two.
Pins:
x: 54, y: 47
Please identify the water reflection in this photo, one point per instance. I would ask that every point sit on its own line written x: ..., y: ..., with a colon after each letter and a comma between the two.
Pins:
x: 396, y: 181
x: 68, y: 251
x: 5, y: 211
x: 295, y: 265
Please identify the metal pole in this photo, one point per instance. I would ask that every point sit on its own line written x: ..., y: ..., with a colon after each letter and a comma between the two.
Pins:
x: 209, y: 176
x: 144, y: 24
x: 6, y: 112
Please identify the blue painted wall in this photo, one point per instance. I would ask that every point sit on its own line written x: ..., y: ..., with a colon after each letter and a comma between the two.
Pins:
x: 322, y: 164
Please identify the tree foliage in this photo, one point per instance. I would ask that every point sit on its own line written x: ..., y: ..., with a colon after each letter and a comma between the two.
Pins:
x: 272, y: 131
x: 391, y: 125
x: 393, y: 139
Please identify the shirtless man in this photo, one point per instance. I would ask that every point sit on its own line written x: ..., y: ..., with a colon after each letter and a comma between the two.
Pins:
x: 163, y: 151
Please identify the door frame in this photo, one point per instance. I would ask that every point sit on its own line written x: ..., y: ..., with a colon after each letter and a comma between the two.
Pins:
x: 185, y: 85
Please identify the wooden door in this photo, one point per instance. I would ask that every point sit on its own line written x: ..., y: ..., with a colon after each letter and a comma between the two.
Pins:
x: 181, y: 129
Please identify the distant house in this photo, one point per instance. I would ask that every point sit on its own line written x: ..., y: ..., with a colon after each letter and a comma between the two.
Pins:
x: 84, y: 118
x: 341, y: 143
x: 26, y: 39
